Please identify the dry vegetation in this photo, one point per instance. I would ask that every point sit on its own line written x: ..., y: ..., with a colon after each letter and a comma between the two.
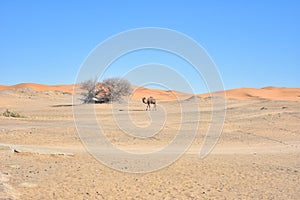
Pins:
x: 8, y: 113
x: 110, y: 90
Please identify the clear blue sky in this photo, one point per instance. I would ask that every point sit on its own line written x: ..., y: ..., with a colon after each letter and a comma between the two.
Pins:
x: 253, y: 43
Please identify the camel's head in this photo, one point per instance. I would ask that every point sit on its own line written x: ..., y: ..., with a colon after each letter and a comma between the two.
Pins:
x: 144, y: 100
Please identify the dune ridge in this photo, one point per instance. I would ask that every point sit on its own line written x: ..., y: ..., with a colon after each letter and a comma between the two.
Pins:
x: 140, y: 92
x: 40, y: 87
x: 265, y: 93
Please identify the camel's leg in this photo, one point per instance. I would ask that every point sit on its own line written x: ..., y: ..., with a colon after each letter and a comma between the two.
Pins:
x: 154, y: 106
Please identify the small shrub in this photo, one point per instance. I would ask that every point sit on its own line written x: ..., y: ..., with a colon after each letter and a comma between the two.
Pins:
x: 8, y: 113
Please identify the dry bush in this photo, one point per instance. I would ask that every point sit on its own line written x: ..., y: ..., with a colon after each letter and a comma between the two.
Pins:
x: 8, y: 113
x: 110, y: 90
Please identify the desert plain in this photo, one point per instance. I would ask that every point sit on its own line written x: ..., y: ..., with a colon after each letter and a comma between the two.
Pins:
x: 257, y: 155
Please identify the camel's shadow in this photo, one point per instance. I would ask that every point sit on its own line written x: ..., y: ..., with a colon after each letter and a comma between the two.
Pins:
x: 63, y: 105
x: 132, y: 110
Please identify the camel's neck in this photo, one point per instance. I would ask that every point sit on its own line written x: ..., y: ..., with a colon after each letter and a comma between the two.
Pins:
x: 144, y: 101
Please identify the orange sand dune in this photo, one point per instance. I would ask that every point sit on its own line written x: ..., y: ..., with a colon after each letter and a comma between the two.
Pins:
x: 140, y: 92
x: 266, y: 93
x: 39, y: 87
x: 4, y: 87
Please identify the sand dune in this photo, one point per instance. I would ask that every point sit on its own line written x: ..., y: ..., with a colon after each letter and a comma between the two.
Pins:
x: 266, y: 93
x: 4, y: 87
x: 140, y: 92
x: 40, y: 87
x: 42, y: 156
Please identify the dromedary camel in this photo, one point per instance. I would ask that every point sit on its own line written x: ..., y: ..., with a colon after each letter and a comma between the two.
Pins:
x: 149, y: 101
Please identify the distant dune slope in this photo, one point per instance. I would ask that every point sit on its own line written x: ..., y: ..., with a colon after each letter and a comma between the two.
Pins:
x: 140, y: 92
x: 40, y: 87
x: 267, y: 93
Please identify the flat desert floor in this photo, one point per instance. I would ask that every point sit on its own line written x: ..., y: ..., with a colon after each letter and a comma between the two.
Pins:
x: 42, y: 157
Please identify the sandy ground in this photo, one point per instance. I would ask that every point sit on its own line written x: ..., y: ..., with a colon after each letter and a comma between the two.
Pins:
x: 256, y: 157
